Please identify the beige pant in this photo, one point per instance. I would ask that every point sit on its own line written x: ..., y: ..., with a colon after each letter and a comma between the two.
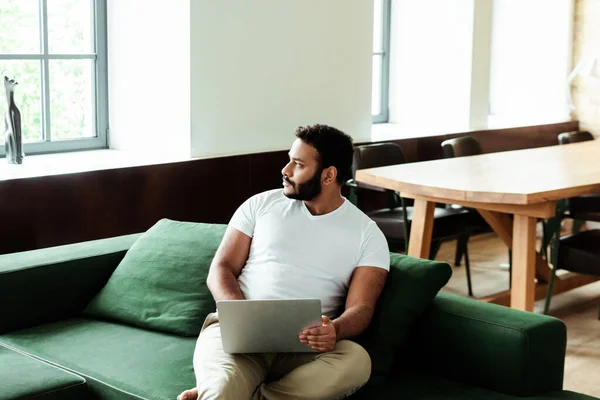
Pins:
x: 302, y: 376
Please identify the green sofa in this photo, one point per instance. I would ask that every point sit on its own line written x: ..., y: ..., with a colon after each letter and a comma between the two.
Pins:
x: 457, y: 349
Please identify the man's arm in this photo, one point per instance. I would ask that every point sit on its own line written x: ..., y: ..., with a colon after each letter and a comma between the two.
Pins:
x: 229, y: 260
x: 365, y: 287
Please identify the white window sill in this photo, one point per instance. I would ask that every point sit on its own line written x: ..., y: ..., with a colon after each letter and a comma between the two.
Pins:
x: 94, y: 160
x: 390, y: 131
x: 76, y: 162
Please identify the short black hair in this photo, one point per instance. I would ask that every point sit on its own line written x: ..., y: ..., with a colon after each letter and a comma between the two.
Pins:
x: 335, y: 148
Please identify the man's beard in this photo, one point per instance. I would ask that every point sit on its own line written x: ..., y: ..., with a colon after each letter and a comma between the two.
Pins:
x: 306, y: 191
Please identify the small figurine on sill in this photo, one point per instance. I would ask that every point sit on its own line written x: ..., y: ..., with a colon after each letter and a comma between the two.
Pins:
x: 12, y: 125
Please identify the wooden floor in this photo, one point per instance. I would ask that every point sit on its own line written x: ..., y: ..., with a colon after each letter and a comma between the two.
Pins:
x: 577, y: 308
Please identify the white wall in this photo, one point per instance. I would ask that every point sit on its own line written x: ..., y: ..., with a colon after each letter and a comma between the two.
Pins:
x: 430, y: 64
x: 260, y: 68
x: 149, y: 76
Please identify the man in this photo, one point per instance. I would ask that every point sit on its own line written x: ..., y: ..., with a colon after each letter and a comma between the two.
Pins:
x: 306, y: 241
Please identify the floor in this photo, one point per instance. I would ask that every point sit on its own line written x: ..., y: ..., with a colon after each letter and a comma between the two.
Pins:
x: 577, y: 308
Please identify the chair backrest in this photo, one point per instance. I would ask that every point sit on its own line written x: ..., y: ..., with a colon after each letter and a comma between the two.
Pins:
x: 461, y: 147
x: 574, y: 137
x: 373, y: 156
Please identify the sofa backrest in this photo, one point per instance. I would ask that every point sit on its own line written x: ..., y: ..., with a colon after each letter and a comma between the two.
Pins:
x: 46, y: 285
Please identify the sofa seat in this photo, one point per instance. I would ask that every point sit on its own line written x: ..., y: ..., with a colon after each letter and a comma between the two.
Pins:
x: 117, y: 361
x: 123, y: 362
x: 24, y: 377
x: 410, y: 386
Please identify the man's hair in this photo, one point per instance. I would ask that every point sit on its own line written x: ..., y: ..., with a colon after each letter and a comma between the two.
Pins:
x: 335, y: 148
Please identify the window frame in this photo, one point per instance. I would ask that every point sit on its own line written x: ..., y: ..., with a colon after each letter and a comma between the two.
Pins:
x: 99, y: 89
x: 384, y: 115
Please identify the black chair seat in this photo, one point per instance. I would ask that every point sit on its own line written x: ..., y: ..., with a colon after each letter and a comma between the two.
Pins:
x: 585, y: 208
x: 580, y: 252
x: 449, y: 222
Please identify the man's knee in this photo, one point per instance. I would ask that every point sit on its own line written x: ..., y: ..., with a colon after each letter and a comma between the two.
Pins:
x: 226, y: 388
x: 230, y: 376
x: 357, y: 362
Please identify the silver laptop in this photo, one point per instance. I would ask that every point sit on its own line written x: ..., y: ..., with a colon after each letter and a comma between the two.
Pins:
x: 267, y: 326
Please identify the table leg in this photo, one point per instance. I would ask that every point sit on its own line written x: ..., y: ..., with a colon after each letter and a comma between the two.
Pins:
x: 503, y: 226
x: 524, y: 260
x: 421, y: 229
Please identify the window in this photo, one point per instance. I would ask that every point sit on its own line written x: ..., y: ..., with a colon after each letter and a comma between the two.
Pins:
x: 430, y: 64
x: 56, y: 51
x: 475, y: 64
x: 529, y: 67
x: 381, y: 48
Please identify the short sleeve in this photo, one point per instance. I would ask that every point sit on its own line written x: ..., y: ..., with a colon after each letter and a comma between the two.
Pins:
x: 244, y: 218
x: 375, y: 251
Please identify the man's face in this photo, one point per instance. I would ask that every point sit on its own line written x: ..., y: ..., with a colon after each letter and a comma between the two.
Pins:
x: 302, y: 174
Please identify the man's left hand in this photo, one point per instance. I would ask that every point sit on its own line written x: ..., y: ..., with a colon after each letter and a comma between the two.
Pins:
x: 321, y: 338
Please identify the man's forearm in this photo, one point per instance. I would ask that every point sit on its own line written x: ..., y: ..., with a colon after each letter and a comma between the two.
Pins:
x: 223, y: 284
x: 353, y: 321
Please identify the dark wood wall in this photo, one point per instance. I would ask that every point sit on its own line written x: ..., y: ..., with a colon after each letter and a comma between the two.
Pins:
x: 54, y: 210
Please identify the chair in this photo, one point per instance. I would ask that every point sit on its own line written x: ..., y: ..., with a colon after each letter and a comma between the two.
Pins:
x: 580, y: 209
x: 578, y: 252
x: 587, y: 207
x: 395, y: 219
x: 574, y: 137
x: 463, y: 147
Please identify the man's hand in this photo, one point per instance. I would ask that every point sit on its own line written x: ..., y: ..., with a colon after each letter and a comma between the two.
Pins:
x: 321, y: 338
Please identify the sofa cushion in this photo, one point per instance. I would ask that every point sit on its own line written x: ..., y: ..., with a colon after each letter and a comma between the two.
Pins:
x: 411, y: 284
x: 117, y: 361
x: 161, y: 282
x: 25, y: 377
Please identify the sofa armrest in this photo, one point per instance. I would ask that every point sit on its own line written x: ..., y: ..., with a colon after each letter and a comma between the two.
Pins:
x: 50, y: 284
x: 490, y: 346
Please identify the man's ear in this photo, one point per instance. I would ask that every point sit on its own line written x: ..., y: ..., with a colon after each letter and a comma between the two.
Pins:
x: 329, y: 175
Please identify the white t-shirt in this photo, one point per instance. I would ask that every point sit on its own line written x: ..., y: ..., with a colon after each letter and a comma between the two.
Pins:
x: 295, y: 254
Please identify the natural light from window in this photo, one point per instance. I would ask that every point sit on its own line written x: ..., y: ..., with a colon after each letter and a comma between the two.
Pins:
x: 530, y: 61
x: 48, y: 47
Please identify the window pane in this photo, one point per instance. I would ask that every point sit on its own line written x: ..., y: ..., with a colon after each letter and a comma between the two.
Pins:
x: 433, y: 92
x: 376, y: 90
x: 27, y: 97
x: 19, y: 26
x: 529, y: 67
x: 71, y: 99
x: 378, y: 26
x: 70, y: 28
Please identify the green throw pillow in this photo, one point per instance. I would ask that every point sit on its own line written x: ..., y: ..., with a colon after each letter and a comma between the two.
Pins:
x: 161, y: 282
x: 411, y: 285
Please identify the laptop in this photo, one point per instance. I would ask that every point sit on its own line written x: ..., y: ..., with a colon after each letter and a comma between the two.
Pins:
x: 267, y: 326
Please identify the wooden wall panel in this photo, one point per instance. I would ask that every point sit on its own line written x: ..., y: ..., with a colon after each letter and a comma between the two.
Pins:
x: 55, y: 210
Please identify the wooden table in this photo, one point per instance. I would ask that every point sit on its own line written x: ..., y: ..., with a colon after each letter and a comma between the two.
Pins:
x: 524, y: 183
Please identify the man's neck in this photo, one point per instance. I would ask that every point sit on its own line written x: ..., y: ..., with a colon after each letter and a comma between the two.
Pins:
x: 322, y: 205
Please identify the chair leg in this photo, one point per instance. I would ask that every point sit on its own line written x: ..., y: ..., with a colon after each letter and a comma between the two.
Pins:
x: 468, y: 270
x: 545, y: 241
x: 554, y: 243
x: 435, y: 247
x: 461, y: 243
x: 405, y: 226
x: 549, y: 294
x: 509, y: 268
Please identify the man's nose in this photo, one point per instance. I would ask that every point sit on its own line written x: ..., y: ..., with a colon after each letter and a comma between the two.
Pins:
x: 285, y: 169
